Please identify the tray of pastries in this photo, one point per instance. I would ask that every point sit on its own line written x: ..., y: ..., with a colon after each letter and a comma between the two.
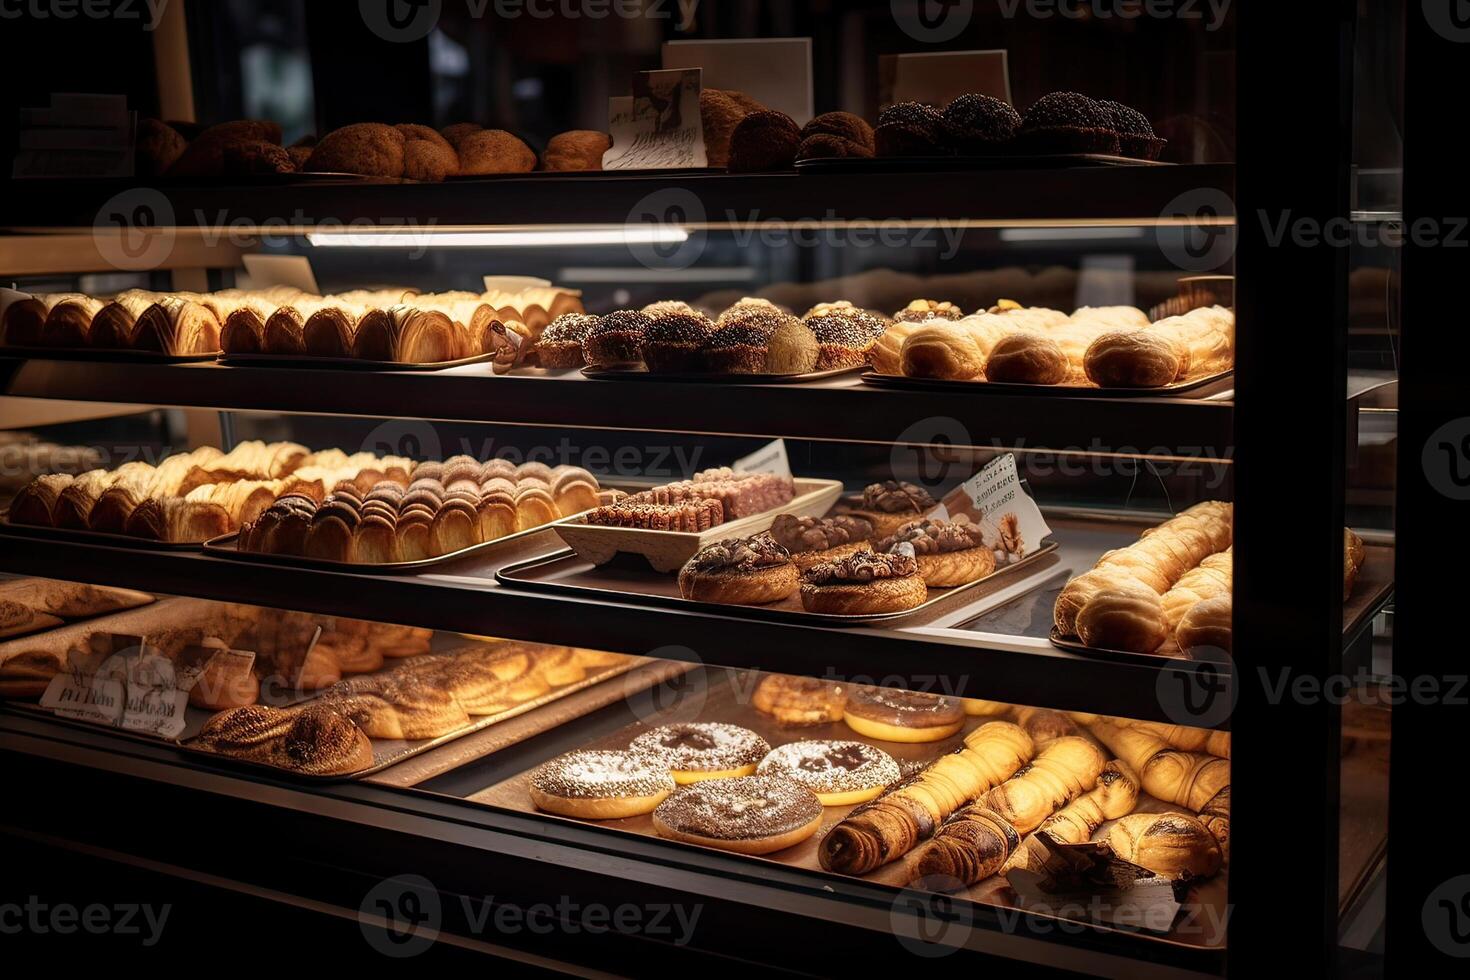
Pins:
x: 908, y: 789
x: 32, y: 605
x: 668, y: 524
x: 136, y: 325
x: 1093, y: 352
x: 1169, y: 594
x: 188, y: 498
x: 439, y: 512
x: 878, y: 559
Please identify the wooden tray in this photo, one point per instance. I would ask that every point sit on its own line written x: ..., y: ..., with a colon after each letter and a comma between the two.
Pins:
x: 566, y: 573
x: 1198, y: 388
x: 711, y: 377
x: 99, y: 354
x: 667, y: 551
x: 343, y: 363
x: 92, y: 537
x: 1001, y: 161
x: 727, y: 699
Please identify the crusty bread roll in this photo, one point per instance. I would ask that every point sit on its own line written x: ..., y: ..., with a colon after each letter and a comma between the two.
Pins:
x: 1175, y: 845
x: 1198, y: 344
x: 1207, y: 626
x: 1027, y: 358
x: 939, y: 349
x: 1129, y: 618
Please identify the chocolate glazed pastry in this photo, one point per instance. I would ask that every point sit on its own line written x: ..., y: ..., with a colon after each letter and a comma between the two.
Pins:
x: 1067, y: 122
x: 949, y: 553
x: 813, y: 540
x: 902, y: 716
x: 836, y: 134
x: 675, y: 342
x: 750, y: 815
x: 910, y: 129
x: 740, y: 571
x: 980, y: 124
x: 696, y: 751
x: 617, y: 339
x: 863, y: 583
x: 1136, y: 136
x: 765, y: 140
x: 891, y: 504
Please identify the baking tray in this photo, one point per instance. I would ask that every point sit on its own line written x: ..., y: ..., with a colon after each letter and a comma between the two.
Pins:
x: 585, y: 174
x: 1371, y: 592
x: 667, y: 551
x: 388, y: 752
x: 618, y: 582
x: 105, y: 355
x: 347, y: 363
x: 92, y: 537
x: 224, y: 547
x: 932, y: 164
x: 1198, y: 388
x: 710, y: 377
x: 727, y: 699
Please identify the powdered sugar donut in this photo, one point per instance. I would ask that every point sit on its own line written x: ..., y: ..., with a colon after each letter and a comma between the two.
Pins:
x: 839, y: 773
x: 704, y: 750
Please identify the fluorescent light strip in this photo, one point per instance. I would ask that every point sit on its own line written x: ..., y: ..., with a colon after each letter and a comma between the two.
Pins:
x: 1067, y: 234
x: 631, y: 235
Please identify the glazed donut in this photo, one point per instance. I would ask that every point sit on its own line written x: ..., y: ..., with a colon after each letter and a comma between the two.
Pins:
x: 751, y: 814
x: 863, y: 583
x: 696, y: 751
x: 840, y: 773
x: 749, y: 571
x: 601, y: 785
x: 799, y: 700
x: 902, y: 716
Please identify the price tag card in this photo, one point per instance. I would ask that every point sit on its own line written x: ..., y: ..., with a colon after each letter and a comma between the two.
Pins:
x: 264, y: 271
x: 770, y: 458
x: 659, y: 127
x: 938, y: 78
x: 86, y: 697
x: 776, y: 72
x: 997, y: 500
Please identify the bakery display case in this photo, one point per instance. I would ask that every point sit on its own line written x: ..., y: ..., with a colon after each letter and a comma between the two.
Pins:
x: 916, y: 533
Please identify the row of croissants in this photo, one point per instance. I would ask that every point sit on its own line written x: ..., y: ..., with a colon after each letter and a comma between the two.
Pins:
x: 976, y: 812
x: 395, y: 325
x: 1109, y: 346
x: 1169, y: 592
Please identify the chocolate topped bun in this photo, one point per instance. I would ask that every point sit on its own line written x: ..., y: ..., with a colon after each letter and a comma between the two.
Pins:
x: 676, y: 341
x: 1067, y: 122
x: 762, y: 342
x: 836, y: 134
x: 910, y: 129
x: 844, y: 338
x: 902, y: 716
x: 750, y: 815
x: 747, y: 306
x: 1136, y: 137
x: 863, y: 583
x: 694, y: 751
x: 948, y: 553
x: 814, y: 540
x: 928, y: 309
x: 740, y: 571
x: 616, y: 339
x: 740, y: 348
x: 560, y: 344
x: 980, y: 124
x: 764, y: 140
x: 862, y: 567
x: 840, y: 773
x: 891, y: 504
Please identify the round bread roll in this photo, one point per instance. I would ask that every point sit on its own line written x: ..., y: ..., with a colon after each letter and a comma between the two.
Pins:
x: 1123, y: 619
x: 372, y: 149
x: 1027, y: 358
x: 939, y: 350
x: 1134, y: 359
x: 579, y: 149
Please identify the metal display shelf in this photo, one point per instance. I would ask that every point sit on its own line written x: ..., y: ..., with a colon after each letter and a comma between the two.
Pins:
x: 839, y: 408
x: 1116, y: 195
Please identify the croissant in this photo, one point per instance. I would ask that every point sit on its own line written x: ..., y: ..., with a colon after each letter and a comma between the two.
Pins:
x: 534, y: 506
x: 178, y: 327
x: 1174, y: 845
x: 35, y: 503
x: 1027, y: 358
x: 1210, y: 579
x: 1066, y: 768
x: 1206, y: 628
x: 886, y: 355
x: 285, y: 331
x: 1042, y: 724
x: 1182, y: 778
x: 975, y: 844
x: 77, y: 500
x: 115, y: 323
x: 1215, y: 815
x: 69, y: 323
x: 244, y: 330
x: 128, y: 488
x: 574, y: 490
x: 328, y: 332
x: 1126, y: 618
x: 25, y: 317
x: 1114, y: 796
x: 1207, y: 740
x: 177, y: 520
x: 890, y: 826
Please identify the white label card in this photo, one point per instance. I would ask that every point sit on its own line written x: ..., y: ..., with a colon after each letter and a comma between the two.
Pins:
x: 659, y: 128
x: 996, y: 499
x: 137, y: 690
x: 770, y: 458
x: 86, y: 697
x: 280, y: 270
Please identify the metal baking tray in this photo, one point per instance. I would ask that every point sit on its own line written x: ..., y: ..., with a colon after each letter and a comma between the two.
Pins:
x: 103, y: 354
x: 621, y: 582
x: 92, y: 537
x: 711, y: 377
x: 1205, y: 387
x: 1000, y: 161
x: 347, y: 363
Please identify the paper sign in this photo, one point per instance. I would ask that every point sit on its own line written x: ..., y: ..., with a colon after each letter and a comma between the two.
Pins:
x: 659, y: 128
x: 136, y: 690
x: 942, y: 76
x: 776, y: 72
x: 265, y: 271
x: 85, y: 697
x: 514, y: 284
x: 997, y: 500
x: 770, y: 458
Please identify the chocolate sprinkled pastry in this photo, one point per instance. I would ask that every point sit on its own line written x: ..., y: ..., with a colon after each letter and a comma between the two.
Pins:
x: 1136, y: 136
x: 706, y: 746
x: 936, y: 537
x: 895, y: 496
x: 748, y: 808
x: 740, y: 555
x: 1067, y: 122
x: 747, y: 306
x: 908, y: 129
x: 616, y: 339
x: 587, y: 774
x: 980, y: 124
x: 675, y: 342
x: 844, y: 338
x: 664, y: 307
x: 863, y: 566
x: 819, y: 533
x: 560, y: 344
